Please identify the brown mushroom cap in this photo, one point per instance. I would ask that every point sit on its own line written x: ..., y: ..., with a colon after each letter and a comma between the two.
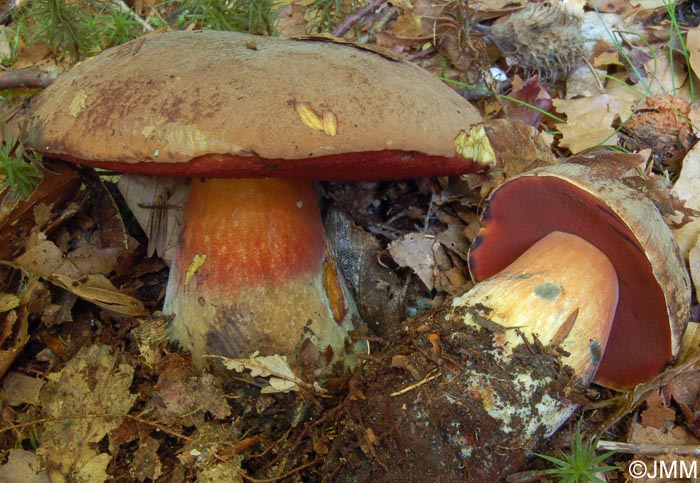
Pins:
x: 227, y: 104
x: 654, y: 301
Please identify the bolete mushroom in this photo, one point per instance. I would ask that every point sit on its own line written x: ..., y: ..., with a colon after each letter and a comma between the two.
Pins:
x: 567, y: 257
x: 255, y: 121
x: 654, y: 305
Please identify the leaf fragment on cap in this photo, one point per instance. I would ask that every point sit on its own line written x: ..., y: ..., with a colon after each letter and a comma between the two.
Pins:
x: 328, y: 123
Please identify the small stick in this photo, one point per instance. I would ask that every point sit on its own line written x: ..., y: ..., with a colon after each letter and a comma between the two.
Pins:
x: 423, y: 54
x: 433, y: 375
x: 30, y: 78
x: 349, y: 21
x: 647, y: 449
x: 125, y: 9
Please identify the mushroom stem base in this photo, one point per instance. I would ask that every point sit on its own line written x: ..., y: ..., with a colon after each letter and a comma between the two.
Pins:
x: 252, y: 272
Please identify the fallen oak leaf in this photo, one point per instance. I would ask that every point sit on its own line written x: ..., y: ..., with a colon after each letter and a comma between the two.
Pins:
x: 83, y: 403
x: 275, y: 367
x: 590, y: 122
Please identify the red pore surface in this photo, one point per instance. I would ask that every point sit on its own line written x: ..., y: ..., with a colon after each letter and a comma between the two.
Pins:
x: 524, y: 210
x: 252, y: 232
x: 364, y: 166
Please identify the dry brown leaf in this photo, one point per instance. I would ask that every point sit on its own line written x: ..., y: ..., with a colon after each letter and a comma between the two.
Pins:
x: 18, y: 218
x: 47, y: 261
x: 415, y: 250
x: 453, y: 238
x: 161, y: 222
x: 376, y: 289
x: 692, y: 44
x: 648, y: 4
x: 518, y: 146
x: 687, y: 189
x: 146, y: 464
x: 94, y: 259
x: 275, y: 368
x: 100, y: 291
x: 409, y: 26
x: 83, y: 402
x: 658, y: 417
x: 18, y: 388
x: 42, y: 260
x: 22, y: 466
x: 500, y: 6
x: 184, y: 393
x: 589, y: 122
x: 20, y: 292
x: 666, y: 77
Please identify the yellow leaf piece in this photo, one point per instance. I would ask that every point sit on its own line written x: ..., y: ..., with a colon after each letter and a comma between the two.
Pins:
x: 77, y: 104
x: 308, y: 116
x: 330, y: 123
x: 197, y: 262
x: 475, y: 145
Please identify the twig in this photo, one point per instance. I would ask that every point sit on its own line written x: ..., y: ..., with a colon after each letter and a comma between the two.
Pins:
x: 423, y: 54
x: 30, y: 78
x: 125, y: 9
x: 434, y: 374
x: 388, y: 15
x: 646, y: 449
x: 349, y: 21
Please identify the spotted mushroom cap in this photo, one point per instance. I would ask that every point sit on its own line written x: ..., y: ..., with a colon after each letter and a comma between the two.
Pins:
x: 228, y: 104
x: 654, y: 298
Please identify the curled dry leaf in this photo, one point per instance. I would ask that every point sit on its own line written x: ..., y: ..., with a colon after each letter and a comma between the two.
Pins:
x: 520, y: 146
x: 415, y: 250
x: 186, y: 396
x: 18, y: 388
x: 100, y: 291
x: 18, y: 291
x: 46, y: 261
x: 17, y: 217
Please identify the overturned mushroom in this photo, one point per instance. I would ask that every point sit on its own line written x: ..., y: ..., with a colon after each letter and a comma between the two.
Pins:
x: 464, y: 392
x: 252, y: 270
x: 654, y: 287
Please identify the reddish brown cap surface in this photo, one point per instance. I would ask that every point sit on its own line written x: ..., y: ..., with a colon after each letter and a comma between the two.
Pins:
x: 654, y: 300
x: 228, y: 104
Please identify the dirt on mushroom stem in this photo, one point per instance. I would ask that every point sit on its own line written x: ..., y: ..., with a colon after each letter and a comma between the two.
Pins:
x: 457, y: 396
